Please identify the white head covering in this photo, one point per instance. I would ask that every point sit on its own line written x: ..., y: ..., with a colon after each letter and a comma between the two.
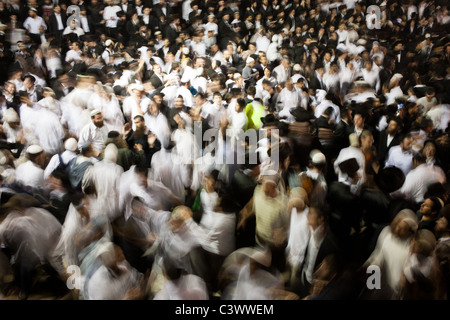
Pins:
x: 71, y: 144
x: 111, y: 152
x: 10, y: 115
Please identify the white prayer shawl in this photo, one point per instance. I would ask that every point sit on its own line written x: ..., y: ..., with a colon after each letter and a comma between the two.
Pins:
x: 169, y: 169
x: 186, y: 147
x: 202, y: 166
x: 49, y: 131
x: 74, y: 117
x: 29, y: 118
x: 160, y: 126
x: 391, y: 255
x: 105, y: 175
x: 130, y: 107
x: 155, y: 196
x: 51, y: 104
x: 30, y: 175
x: 73, y: 223
x: 255, y: 285
x: 222, y: 224
x: 187, y: 96
x: 32, y: 235
x: 170, y: 93
x: 298, y: 237
x: 346, y: 154
x: 393, y: 94
x: 103, y: 285
x: 187, y: 287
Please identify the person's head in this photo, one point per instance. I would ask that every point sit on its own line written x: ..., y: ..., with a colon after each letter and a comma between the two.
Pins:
x: 10, y: 87
x: 240, y: 105
x: 289, y: 84
x: 139, y: 122
x: 158, y: 98
x: 316, y: 216
x: 442, y: 227
x: 394, y: 126
x: 404, y: 224
x: 180, y: 215
x: 179, y: 101
x: 153, y: 108
x: 430, y: 207
x: 28, y: 81
x: 32, y: 13
x: 406, y: 142
x: 156, y: 68
x: 36, y: 154
x: 285, y: 62
x: 267, y: 73
x: 269, y: 184
x: 366, y: 139
x: 429, y: 149
x: 97, y: 118
x: 358, y: 120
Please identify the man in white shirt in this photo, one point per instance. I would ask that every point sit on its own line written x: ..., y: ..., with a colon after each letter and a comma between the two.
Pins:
x: 95, y: 132
x: 401, y: 156
x: 33, y: 24
x: 289, y: 98
x: 111, y: 18
x: 418, y: 180
x: 395, y: 90
x: 74, y: 54
x: 283, y: 71
x: 371, y: 75
x: 136, y: 103
x: 30, y: 174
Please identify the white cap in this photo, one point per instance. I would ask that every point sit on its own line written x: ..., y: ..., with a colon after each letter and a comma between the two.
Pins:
x: 95, y: 112
x: 137, y: 86
x: 185, y: 50
x: 108, y: 42
x: 427, y: 35
x: 274, y: 38
x: 397, y: 76
x: 236, y: 76
x: 318, y: 158
x: 34, y: 149
x: 10, y: 115
x: 71, y: 144
x: 249, y: 59
x: 111, y: 152
x: 297, y: 67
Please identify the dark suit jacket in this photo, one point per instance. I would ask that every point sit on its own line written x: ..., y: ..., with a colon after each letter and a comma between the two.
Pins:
x: 156, y: 82
x: 170, y: 33
x: 53, y: 23
x: 382, y: 148
x: 328, y: 246
x: 158, y: 11
x: 315, y: 83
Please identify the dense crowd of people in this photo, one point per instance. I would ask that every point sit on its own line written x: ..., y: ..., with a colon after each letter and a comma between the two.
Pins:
x: 225, y: 149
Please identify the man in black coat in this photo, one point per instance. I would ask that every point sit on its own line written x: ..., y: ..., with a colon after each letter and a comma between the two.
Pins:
x: 388, y: 138
x: 322, y: 243
x: 57, y: 22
